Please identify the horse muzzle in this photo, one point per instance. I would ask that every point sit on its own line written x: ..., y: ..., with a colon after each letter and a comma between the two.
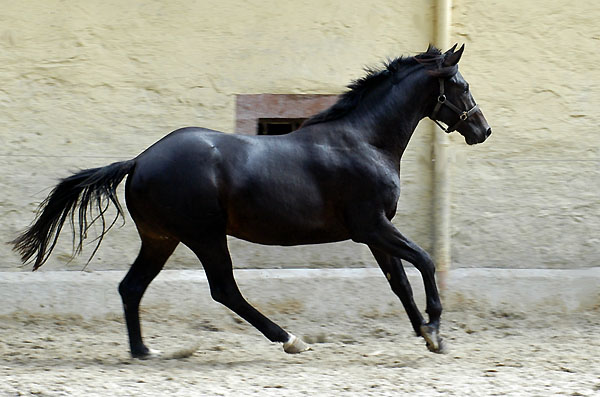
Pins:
x: 478, y: 138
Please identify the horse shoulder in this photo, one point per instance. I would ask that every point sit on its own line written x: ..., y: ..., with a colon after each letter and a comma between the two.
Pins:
x: 373, y: 184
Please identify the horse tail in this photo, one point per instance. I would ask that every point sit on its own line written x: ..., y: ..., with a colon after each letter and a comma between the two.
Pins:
x: 88, y: 190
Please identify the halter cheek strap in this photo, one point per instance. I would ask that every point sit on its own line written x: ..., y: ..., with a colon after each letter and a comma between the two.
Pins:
x: 463, y: 115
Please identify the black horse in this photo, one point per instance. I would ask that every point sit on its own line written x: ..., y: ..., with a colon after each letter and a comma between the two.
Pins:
x: 336, y: 178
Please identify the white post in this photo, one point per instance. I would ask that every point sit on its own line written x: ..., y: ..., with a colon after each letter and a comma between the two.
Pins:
x: 441, y: 172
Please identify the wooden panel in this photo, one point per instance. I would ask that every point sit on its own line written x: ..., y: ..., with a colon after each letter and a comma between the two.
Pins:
x: 250, y: 108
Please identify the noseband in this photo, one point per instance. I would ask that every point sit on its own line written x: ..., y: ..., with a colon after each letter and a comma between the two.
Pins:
x: 463, y: 115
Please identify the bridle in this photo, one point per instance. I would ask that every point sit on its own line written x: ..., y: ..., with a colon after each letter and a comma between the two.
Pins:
x: 463, y: 115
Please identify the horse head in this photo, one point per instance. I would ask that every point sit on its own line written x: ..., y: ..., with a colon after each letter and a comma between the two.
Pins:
x: 455, y: 105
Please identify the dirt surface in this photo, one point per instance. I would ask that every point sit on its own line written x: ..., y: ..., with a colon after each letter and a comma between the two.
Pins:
x: 491, y: 353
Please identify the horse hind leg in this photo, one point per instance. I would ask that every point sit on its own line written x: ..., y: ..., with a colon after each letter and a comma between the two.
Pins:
x: 217, y: 264
x: 149, y: 262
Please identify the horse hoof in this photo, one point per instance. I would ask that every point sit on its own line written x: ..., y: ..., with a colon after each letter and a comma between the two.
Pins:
x: 295, y: 345
x: 433, y: 339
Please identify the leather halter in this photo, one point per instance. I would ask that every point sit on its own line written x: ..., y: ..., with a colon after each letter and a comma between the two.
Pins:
x: 463, y: 115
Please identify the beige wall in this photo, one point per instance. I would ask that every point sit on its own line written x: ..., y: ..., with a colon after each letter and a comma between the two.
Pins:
x: 87, y: 83
x: 84, y: 85
x: 531, y: 195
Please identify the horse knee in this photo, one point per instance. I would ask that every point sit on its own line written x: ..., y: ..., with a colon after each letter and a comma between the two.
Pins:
x: 425, y: 265
x: 425, y: 262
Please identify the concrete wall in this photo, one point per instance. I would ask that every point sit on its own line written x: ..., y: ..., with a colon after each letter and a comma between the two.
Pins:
x: 87, y: 84
x: 334, y: 293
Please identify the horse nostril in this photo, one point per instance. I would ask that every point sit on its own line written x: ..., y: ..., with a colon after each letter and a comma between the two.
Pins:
x: 488, y: 132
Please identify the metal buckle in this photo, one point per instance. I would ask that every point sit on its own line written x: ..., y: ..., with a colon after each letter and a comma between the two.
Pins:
x: 463, y: 115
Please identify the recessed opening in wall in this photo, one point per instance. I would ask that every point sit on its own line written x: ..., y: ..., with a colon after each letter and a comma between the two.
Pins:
x: 278, y: 126
x: 276, y: 114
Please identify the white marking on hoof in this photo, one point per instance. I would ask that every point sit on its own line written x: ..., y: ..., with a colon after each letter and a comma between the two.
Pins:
x: 295, y: 345
x: 443, y: 349
x: 433, y: 339
x: 152, y: 354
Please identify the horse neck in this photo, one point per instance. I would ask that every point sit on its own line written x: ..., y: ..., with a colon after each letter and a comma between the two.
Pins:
x: 390, y: 115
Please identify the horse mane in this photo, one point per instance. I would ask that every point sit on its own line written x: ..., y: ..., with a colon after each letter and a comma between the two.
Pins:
x: 395, y: 69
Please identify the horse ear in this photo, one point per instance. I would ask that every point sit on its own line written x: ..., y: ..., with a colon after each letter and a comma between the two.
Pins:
x: 451, y: 50
x: 453, y: 58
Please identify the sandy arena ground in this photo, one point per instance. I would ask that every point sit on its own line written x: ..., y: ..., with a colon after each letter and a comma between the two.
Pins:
x: 491, y: 353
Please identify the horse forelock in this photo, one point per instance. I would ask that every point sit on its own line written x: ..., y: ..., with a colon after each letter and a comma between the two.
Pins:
x: 433, y: 61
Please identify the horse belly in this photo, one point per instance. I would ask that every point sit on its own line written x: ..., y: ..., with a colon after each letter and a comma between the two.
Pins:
x: 288, y: 220
x: 286, y: 236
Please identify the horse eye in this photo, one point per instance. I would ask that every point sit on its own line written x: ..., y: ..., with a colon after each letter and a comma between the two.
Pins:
x: 467, y: 88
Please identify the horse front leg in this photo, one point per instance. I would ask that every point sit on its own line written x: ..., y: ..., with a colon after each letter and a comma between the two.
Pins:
x: 387, y: 239
x: 394, y: 272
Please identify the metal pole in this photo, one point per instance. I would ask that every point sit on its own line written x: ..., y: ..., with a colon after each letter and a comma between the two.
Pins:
x: 441, y: 172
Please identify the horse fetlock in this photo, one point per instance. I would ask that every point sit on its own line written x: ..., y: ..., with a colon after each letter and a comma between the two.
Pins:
x: 295, y: 345
x: 434, y: 310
